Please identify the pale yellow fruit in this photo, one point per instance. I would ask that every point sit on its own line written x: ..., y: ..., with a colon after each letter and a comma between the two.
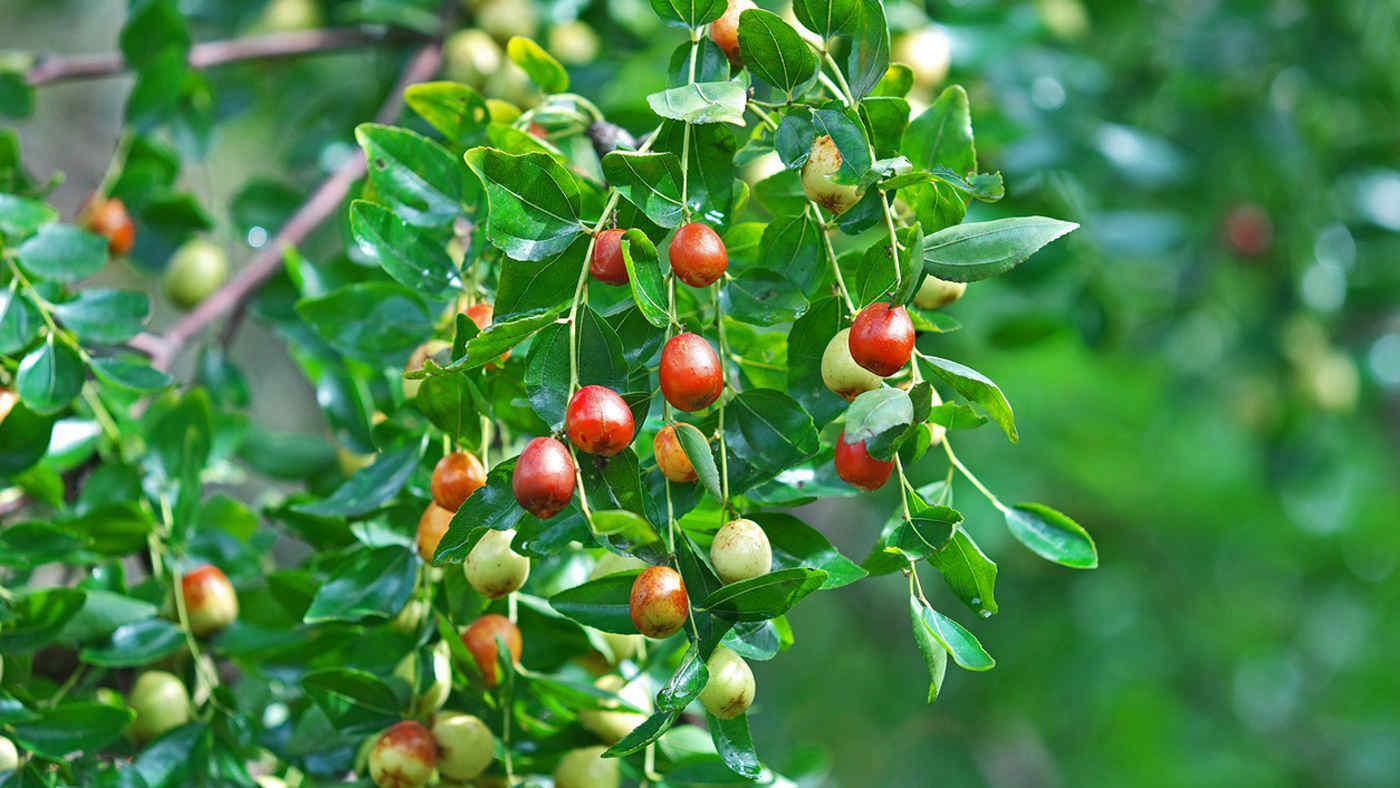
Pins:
x: 409, y: 618
x: 507, y: 18
x: 611, y: 726
x: 730, y: 690
x: 161, y: 704
x: 494, y: 569
x: 741, y: 551
x: 934, y: 292
x: 819, y: 178
x: 587, y: 768
x: 465, y: 745
x: 470, y: 56
x: 197, y: 269
x: 841, y: 373
x: 573, y: 42
x: 9, y: 756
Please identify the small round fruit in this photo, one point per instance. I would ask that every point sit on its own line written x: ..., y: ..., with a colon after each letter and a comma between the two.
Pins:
x: 455, y: 477
x: 210, y: 600
x: 841, y: 373
x: 197, y: 270
x: 9, y: 756
x: 927, y: 52
x: 8, y: 400
x: 543, y: 480
x: 161, y: 704
x: 598, y: 421
x: 607, y: 264
x: 671, y: 457
x: 480, y: 639
x: 494, y: 569
x: 690, y: 372
x: 409, y: 618
x: 435, y: 687
x: 404, y: 757
x: 431, y: 526
x: 107, y: 217
x: 611, y: 726
x: 282, y: 16
x: 725, y: 30
x: 730, y: 690
x: 587, y: 768
x: 882, y: 338
x: 415, y: 362
x: 1248, y: 230
x: 855, y: 465
x: 481, y: 313
x: 741, y: 551
x: 505, y: 19
x: 471, y: 56
x: 659, y: 604
x: 819, y: 178
x: 934, y: 292
x: 465, y: 745
x: 697, y: 255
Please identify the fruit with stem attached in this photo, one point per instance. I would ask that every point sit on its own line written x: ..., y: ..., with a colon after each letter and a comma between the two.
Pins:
x: 856, y: 467
x: 690, y: 372
x: 730, y: 689
x: 697, y: 255
x: 671, y: 457
x: 841, y: 374
x: 819, y: 178
x: 161, y: 704
x: 607, y: 264
x: 740, y: 551
x: 197, y: 269
x: 431, y: 526
x: 598, y: 421
x: 587, y: 768
x: 403, y: 757
x: 544, y: 476
x: 480, y: 639
x: 725, y: 30
x: 882, y: 338
x: 107, y: 217
x: 465, y: 745
x: 611, y: 726
x: 493, y: 568
x: 455, y: 477
x: 210, y: 601
x: 658, y: 603
x: 934, y: 292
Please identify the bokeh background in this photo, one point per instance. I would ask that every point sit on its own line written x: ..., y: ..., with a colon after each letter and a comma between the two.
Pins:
x: 1206, y: 375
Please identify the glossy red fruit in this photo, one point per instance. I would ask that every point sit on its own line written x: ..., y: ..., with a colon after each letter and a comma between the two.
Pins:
x: 210, y: 601
x: 107, y: 217
x: 698, y: 255
x: 855, y: 466
x: 671, y: 457
x: 480, y: 639
x: 882, y: 338
x: 544, y: 477
x: 404, y: 757
x: 659, y: 604
x: 607, y: 264
x: 455, y: 477
x: 598, y: 421
x: 725, y: 30
x: 691, y: 377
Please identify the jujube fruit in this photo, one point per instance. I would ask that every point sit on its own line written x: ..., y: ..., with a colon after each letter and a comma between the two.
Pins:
x: 855, y: 465
x: 196, y: 270
x: 725, y: 30
x: 543, y: 480
x: 740, y: 551
x: 611, y: 726
x: 493, y: 568
x: 404, y: 757
x: 841, y: 374
x: 598, y: 421
x: 658, y: 603
x: 697, y: 255
x: 465, y: 745
x: 690, y: 373
x: 882, y: 338
x: 586, y: 768
x: 431, y: 526
x: 455, y: 477
x: 210, y: 601
x: 730, y: 689
x: 480, y: 639
x: 415, y: 362
x: 819, y: 178
x: 161, y: 704
x: 107, y: 217
x: 433, y: 688
x: 607, y: 264
x: 934, y: 292
x: 671, y: 457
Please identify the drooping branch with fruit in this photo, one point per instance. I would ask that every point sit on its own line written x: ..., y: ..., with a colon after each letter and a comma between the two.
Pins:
x: 658, y: 355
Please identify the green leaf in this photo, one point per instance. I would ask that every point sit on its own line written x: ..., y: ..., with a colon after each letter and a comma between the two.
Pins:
x: 492, y: 506
x: 534, y: 202
x: 735, y: 745
x: 956, y: 416
x: 137, y: 643
x: 978, y: 250
x: 72, y: 727
x: 376, y: 322
x: 959, y: 643
x: 968, y: 571
x: 826, y: 17
x: 942, y: 135
x: 130, y: 372
x: 21, y: 216
x: 63, y: 253
x: 703, y: 102
x: 19, y: 321
x: 651, y: 181
x: 626, y: 525
x: 793, y: 247
x: 454, y: 109
x: 602, y: 604
x: 449, y: 403
x: 16, y: 95
x: 547, y: 374
x: 879, y: 417
x: 504, y: 334
x: 689, y: 13
x: 371, y: 486
x: 404, y: 252
x: 370, y: 583
x: 101, y: 613
x: 796, y: 544
x: 773, y: 51
x: 24, y: 437
x: 701, y: 457
x: 762, y: 297
x: 685, y: 684
x: 36, y: 618
x: 925, y: 533
x: 869, y: 53
x: 644, y: 277
x: 356, y: 702
x: 887, y: 118
x: 105, y: 316
x: 418, y: 179
x: 1052, y: 535
x: 766, y: 596
x: 541, y: 67
x: 766, y: 432
x: 935, y: 656
x: 531, y: 288
x: 644, y: 734
x: 50, y: 376
x: 977, y: 388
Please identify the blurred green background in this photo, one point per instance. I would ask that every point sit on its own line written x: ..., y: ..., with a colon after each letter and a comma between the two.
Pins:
x: 1206, y: 375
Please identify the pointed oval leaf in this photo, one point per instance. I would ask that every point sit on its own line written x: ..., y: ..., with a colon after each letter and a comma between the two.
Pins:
x: 534, y: 203
x: 774, y: 51
x: 1052, y: 535
x: 978, y: 250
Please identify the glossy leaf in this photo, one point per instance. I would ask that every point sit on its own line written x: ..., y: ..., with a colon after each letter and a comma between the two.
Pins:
x: 423, y: 183
x: 71, y: 727
x: 969, y: 572
x: 703, y: 102
x: 36, y: 618
x: 603, y: 603
x: 50, y: 376
x: 766, y: 432
x: 370, y: 487
x: 765, y: 596
x: 19, y: 321
x: 130, y: 372
x: 762, y: 297
x: 534, y: 202
x: 452, y: 108
x: 137, y: 643
x: 105, y: 316
x: 644, y: 734
x: 650, y: 181
x: 63, y: 253
x: 697, y: 450
x: 774, y: 51
x: 879, y: 417
x: 977, y: 250
x: 1052, y: 535
x: 538, y: 64
x: 935, y: 656
x: 371, y: 583
x: 492, y: 506
x: 688, y: 13
x: 374, y: 321
x: 960, y: 644
x: 644, y: 277
x: 976, y: 387
x: 685, y: 684
x: 404, y: 252
x: 735, y: 745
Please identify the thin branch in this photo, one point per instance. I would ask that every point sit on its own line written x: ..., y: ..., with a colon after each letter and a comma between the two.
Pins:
x: 63, y: 68
x: 233, y: 296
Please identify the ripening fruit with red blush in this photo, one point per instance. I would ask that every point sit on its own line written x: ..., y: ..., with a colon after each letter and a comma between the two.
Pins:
x: 607, y: 264
x: 480, y: 639
x: 455, y: 477
x: 404, y: 757
x: 431, y: 526
x: 691, y: 376
x: 543, y: 480
x: 855, y: 466
x: 659, y: 604
x: 1248, y: 230
x: 107, y: 217
x: 882, y: 338
x: 481, y: 313
x: 697, y: 255
x: 598, y: 421
x: 725, y: 31
x: 819, y: 178
x: 841, y: 373
x: 210, y: 601
x: 671, y: 457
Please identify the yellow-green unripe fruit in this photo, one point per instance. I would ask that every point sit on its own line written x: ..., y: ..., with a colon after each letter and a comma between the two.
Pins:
x: 505, y: 19
x: 415, y: 362
x: 573, y: 42
x: 587, y: 768
x: 934, y: 292
x: 611, y: 726
x: 494, y: 569
x: 160, y: 702
x: 730, y: 690
x: 465, y: 745
x: 9, y: 756
x: 439, y: 684
x: 470, y: 56
x: 197, y: 269
x: 841, y: 373
x: 741, y: 551
x: 819, y: 178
